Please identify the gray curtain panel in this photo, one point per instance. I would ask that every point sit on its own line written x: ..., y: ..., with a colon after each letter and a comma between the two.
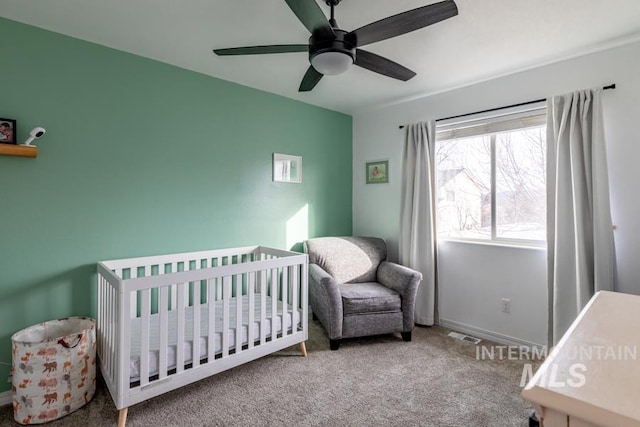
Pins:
x: 417, y: 221
x: 580, y: 236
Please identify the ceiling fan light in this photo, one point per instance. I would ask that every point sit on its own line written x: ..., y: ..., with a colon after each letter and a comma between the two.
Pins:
x: 332, y: 63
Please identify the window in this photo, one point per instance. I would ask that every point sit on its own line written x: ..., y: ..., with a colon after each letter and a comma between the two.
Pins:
x: 491, y: 173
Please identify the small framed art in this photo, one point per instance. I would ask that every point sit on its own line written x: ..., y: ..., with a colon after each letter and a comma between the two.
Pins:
x: 377, y: 172
x: 8, y: 131
x: 287, y: 168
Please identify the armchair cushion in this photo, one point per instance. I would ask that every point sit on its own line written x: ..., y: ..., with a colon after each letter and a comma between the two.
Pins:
x: 368, y: 297
x: 348, y: 259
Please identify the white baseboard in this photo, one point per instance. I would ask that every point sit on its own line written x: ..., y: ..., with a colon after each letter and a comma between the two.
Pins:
x: 6, y: 398
x: 487, y: 335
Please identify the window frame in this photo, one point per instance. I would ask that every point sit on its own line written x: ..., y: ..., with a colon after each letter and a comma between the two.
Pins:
x: 491, y: 124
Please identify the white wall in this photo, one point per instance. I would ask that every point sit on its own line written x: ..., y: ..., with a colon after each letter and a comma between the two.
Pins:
x: 473, y: 278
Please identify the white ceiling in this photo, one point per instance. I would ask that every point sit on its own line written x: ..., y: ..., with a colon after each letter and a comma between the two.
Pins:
x: 487, y: 38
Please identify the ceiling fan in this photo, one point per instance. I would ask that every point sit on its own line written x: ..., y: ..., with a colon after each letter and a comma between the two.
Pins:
x: 332, y: 50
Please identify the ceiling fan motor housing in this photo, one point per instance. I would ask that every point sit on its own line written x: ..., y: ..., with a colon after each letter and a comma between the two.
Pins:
x: 343, y: 43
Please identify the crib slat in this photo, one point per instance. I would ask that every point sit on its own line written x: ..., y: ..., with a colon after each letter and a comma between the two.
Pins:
x: 174, y: 288
x: 239, y: 313
x: 294, y: 298
x: 304, y: 296
x: 133, y: 307
x: 99, y: 314
x: 285, y: 305
x: 123, y: 336
x: 211, y: 336
x: 217, y: 262
x: 154, y: 270
x: 196, y: 325
x: 251, y: 304
x: 114, y: 314
x: 164, y: 331
x: 111, y: 330
x: 103, y: 330
x: 145, y: 313
x: 263, y: 306
x: 187, y: 286
x: 226, y: 284
x: 180, y: 327
x: 101, y: 323
x: 274, y: 302
x: 204, y: 264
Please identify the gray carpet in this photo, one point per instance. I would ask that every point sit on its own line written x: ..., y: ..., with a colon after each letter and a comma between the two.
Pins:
x: 434, y: 380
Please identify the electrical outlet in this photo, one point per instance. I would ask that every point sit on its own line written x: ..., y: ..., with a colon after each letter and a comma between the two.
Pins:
x: 506, y: 305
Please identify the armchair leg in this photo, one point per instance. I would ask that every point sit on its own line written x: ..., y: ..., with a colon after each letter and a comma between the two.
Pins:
x: 334, y: 344
x: 406, y: 336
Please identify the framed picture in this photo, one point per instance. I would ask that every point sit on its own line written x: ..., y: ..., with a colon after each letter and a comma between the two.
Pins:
x: 377, y: 172
x: 8, y: 131
x: 287, y: 168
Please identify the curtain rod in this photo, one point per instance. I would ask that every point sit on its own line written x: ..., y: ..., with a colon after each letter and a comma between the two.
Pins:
x: 611, y: 86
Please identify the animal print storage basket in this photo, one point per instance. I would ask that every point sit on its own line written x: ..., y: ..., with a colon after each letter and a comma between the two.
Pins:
x: 54, y: 369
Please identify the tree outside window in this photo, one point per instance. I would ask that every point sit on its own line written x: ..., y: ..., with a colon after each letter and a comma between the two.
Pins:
x: 492, y: 186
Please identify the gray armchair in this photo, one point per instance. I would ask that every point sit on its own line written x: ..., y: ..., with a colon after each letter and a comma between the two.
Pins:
x: 354, y: 291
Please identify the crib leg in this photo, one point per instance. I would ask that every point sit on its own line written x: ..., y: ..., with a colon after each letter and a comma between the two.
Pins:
x: 303, y: 349
x: 122, y: 417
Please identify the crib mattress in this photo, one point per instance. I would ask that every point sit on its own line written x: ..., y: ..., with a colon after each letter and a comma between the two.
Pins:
x: 187, y: 347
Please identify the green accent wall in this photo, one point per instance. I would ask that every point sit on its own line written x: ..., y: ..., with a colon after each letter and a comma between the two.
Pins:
x: 143, y: 158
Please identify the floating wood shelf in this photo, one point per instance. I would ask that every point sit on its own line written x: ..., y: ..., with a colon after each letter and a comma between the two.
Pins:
x: 18, y: 150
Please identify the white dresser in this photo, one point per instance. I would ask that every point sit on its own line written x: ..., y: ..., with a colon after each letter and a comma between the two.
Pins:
x: 592, y: 377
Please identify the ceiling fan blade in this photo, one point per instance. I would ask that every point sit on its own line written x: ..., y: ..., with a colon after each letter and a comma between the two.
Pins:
x: 310, y: 80
x: 258, y: 50
x: 405, y: 22
x: 312, y: 17
x: 381, y: 65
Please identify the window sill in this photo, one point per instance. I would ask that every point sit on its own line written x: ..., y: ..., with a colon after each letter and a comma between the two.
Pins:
x: 499, y: 243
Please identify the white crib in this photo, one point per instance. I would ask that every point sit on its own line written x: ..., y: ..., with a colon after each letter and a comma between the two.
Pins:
x: 167, y: 321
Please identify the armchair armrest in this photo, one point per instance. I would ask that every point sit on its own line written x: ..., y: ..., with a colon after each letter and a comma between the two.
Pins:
x: 326, y: 300
x: 404, y: 281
